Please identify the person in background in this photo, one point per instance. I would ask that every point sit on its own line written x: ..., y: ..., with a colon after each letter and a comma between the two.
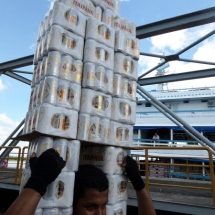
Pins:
x: 4, y: 163
x: 156, y: 138
x: 90, y: 189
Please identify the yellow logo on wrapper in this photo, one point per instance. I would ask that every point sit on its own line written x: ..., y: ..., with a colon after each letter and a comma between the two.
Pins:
x: 122, y: 187
x: 100, y: 102
x: 68, y: 42
x: 61, y: 92
x: 90, y: 76
x: 120, y: 158
x: 65, y: 123
x: 98, y: 55
x: 60, y: 121
x: 71, y: 95
x: 102, y: 77
x: 128, y: 88
x: 95, y: 130
x: 60, y: 189
x: 55, y: 121
x: 58, y: 150
x: 118, y: 212
x: 71, y: 17
x: 126, y: 65
x: 122, y: 134
x: 125, y: 109
x: 107, y: 132
x: 104, y: 32
x: 67, y: 154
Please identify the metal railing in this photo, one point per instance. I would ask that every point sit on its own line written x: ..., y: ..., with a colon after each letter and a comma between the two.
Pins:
x: 17, y: 159
x: 165, y: 142
x: 11, y: 166
x: 147, y: 163
x: 183, y: 89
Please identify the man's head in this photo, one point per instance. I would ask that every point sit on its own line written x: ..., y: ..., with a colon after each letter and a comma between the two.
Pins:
x: 90, y: 191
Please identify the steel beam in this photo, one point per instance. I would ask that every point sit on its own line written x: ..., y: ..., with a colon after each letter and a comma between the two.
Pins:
x: 185, y: 21
x: 14, y: 132
x: 17, y: 63
x: 196, y: 42
x: 152, y: 55
x: 177, y: 77
x: 196, y: 61
x: 17, y: 77
x: 24, y: 72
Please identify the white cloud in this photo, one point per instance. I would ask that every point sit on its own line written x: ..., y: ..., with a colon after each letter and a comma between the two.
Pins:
x: 172, y: 43
x: 7, y: 125
x: 51, y: 3
x: 50, y: 6
x: 206, y: 52
x: 177, y: 40
x: 2, y: 86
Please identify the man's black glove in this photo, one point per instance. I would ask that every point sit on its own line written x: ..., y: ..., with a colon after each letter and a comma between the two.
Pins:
x: 44, y: 170
x: 133, y: 173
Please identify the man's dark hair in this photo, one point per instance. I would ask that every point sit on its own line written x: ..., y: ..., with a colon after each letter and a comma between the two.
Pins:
x: 89, y: 177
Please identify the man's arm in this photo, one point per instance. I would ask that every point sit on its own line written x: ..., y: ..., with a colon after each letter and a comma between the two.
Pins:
x: 145, y: 205
x: 25, y: 204
x: 44, y: 170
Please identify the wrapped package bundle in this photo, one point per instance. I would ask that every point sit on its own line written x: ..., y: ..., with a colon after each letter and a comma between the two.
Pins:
x: 127, y: 44
x: 124, y: 87
x: 107, y: 158
x: 119, y: 208
x: 65, y: 42
x: 69, y: 150
x: 125, y: 66
x: 117, y: 191
x: 123, y: 110
x: 97, y: 78
x: 100, y: 32
x: 57, y: 121
x: 99, y: 54
x: 95, y: 103
x: 60, y: 192
x: 93, y: 129
x: 69, y: 18
x: 121, y: 134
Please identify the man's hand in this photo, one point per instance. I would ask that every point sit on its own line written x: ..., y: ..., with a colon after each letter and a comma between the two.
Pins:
x: 133, y: 173
x: 44, y: 170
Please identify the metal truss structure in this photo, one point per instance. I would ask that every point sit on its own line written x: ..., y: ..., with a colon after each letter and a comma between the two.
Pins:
x: 185, y: 21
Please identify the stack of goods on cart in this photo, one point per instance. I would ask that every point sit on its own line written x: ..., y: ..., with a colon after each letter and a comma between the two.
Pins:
x: 83, y: 91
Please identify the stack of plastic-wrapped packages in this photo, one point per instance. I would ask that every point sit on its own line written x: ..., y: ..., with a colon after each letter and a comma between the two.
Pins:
x: 83, y: 89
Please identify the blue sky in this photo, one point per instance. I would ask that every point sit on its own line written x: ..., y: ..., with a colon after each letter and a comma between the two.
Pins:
x: 20, y: 19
